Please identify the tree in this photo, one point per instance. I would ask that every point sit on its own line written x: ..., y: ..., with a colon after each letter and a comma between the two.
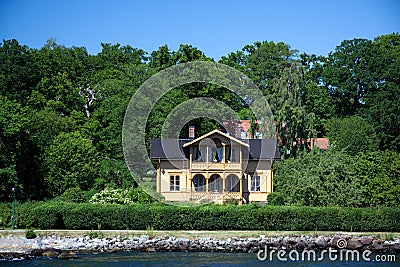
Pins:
x: 347, y: 75
x: 12, y: 141
x: 18, y: 75
x: 115, y: 56
x: 53, y: 59
x: 315, y: 179
x: 317, y: 101
x: 188, y: 53
x: 352, y: 135
x: 162, y: 58
x: 293, y: 124
x: 379, y: 173
x: 70, y: 161
x: 382, y: 106
x: 60, y: 94
x: 265, y: 60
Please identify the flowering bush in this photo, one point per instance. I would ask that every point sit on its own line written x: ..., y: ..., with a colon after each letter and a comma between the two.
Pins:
x: 121, y: 196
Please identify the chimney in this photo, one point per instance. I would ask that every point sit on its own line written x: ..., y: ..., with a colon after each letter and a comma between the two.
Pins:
x: 191, y: 132
x: 237, y: 132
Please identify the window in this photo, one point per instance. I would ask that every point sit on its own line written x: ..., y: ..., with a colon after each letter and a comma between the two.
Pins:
x: 232, y: 183
x: 255, y: 183
x: 199, y: 183
x: 174, y: 183
x: 214, y: 183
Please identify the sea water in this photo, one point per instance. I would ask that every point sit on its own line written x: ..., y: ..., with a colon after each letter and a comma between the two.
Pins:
x: 193, y: 259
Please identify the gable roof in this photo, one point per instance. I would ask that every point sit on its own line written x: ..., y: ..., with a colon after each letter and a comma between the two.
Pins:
x: 173, y: 149
x: 213, y: 132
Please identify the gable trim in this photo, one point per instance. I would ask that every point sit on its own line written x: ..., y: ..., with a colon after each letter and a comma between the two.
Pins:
x: 213, y: 132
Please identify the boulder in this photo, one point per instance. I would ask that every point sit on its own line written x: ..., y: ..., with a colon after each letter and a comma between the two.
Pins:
x: 396, y: 248
x: 50, y: 252
x: 366, y: 240
x: 311, y: 246
x: 376, y: 247
x: 36, y: 252
x: 67, y: 255
x: 321, y: 243
x: 354, y: 244
x: 300, y: 246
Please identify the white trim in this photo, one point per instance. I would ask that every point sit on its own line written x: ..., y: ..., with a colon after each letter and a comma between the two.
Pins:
x: 219, y: 132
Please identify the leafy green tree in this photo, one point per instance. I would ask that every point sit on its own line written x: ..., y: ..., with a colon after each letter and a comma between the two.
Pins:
x: 348, y: 76
x: 115, y: 56
x: 18, y: 75
x: 379, y: 173
x: 188, y: 53
x: 293, y: 124
x: 70, y: 161
x: 315, y: 179
x: 265, y: 60
x: 162, y: 58
x: 60, y: 94
x: 13, y: 148
x: 113, y: 173
x: 382, y: 107
x: 315, y: 66
x: 317, y: 101
x: 352, y: 135
x: 236, y: 60
x: 53, y: 59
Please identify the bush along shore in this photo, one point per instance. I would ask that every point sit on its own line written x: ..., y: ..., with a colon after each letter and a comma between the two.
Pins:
x: 86, y: 216
x: 65, y: 247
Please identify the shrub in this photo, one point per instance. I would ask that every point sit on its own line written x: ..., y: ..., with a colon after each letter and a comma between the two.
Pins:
x: 121, y: 196
x: 59, y: 215
x: 5, y: 215
x: 30, y: 234
x: 76, y: 195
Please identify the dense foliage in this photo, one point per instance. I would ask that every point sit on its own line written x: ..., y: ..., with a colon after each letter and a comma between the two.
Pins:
x: 334, y: 178
x: 62, y: 215
x: 62, y: 109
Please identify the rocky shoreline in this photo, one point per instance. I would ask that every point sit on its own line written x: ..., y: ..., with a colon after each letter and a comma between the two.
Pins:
x: 65, y: 247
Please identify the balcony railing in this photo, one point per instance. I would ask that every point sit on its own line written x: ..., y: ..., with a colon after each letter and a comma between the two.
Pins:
x: 215, y: 166
x: 197, y: 196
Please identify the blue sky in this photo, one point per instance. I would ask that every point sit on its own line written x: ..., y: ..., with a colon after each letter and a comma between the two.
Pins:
x: 216, y: 27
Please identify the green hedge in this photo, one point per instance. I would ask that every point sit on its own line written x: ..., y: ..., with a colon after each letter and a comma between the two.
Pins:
x: 63, y: 215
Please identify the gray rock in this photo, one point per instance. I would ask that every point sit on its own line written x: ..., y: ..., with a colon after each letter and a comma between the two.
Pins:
x: 50, y: 252
x: 321, y: 243
x: 67, y: 255
x: 375, y: 247
x: 311, y: 246
x: 300, y: 246
x: 354, y: 244
x: 366, y: 240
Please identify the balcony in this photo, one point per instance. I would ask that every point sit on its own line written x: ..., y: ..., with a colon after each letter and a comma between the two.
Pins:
x: 215, y: 166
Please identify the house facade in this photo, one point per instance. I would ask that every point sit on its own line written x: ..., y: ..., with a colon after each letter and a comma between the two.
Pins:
x: 214, y: 167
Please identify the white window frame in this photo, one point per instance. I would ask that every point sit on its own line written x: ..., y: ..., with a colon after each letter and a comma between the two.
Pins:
x: 255, y: 184
x: 174, y: 183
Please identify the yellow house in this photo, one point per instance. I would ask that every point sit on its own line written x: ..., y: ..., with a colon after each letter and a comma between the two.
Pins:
x: 214, y: 167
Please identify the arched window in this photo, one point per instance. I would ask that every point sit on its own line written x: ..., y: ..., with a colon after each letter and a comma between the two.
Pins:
x: 199, y: 183
x: 214, y: 183
x: 232, y: 183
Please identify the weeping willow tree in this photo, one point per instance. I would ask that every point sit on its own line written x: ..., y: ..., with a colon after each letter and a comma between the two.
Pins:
x: 293, y: 125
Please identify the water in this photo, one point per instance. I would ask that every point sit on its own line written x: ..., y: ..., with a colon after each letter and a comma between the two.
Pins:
x: 172, y: 259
